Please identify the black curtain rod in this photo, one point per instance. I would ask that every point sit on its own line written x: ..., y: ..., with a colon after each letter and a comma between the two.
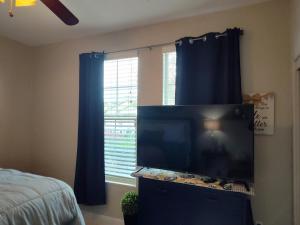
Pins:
x: 144, y: 47
x: 157, y: 45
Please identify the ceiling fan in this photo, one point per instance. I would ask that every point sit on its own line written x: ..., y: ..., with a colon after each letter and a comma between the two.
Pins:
x: 61, y: 11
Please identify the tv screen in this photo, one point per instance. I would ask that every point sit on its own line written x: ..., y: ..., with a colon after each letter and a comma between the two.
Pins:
x: 209, y: 140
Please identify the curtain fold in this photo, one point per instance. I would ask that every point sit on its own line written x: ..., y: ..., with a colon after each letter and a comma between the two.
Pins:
x: 89, y: 184
x: 208, y: 69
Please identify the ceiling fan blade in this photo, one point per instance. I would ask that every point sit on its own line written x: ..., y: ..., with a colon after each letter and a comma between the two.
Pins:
x: 61, y: 11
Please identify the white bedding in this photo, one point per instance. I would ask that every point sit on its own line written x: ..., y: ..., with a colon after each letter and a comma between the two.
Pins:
x: 27, y: 199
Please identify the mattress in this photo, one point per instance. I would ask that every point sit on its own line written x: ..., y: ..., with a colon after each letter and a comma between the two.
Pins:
x: 27, y: 199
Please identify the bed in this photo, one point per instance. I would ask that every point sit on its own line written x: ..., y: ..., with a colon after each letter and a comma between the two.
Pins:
x: 27, y: 199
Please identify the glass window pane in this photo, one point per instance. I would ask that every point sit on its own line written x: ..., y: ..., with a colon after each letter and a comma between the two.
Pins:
x: 169, y: 78
x: 120, y: 110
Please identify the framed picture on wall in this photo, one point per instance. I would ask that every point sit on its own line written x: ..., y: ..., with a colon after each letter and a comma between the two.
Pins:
x: 263, y: 112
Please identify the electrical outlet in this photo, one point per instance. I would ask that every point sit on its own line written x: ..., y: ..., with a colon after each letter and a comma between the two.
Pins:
x: 259, y: 223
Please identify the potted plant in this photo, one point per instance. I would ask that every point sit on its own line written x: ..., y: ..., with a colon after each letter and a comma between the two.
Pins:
x: 129, y: 204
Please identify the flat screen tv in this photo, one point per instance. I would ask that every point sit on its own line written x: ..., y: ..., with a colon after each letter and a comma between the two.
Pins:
x: 210, y: 140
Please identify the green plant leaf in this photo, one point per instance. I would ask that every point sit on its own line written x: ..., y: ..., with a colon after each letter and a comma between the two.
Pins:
x: 129, y: 203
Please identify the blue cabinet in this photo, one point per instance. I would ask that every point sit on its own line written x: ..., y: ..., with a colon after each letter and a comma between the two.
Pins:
x: 168, y: 203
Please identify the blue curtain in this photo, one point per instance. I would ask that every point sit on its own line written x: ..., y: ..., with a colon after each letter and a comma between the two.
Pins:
x: 208, y: 72
x: 89, y: 184
x: 208, y: 69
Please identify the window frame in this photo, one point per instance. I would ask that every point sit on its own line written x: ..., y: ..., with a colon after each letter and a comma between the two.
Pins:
x: 165, y: 50
x: 113, y: 178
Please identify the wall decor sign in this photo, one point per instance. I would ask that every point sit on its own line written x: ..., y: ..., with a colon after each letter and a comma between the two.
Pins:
x: 263, y: 111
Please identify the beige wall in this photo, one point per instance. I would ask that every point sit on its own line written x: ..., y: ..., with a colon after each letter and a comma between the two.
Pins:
x: 266, y: 66
x: 15, y: 105
x: 295, y: 9
x: 296, y: 27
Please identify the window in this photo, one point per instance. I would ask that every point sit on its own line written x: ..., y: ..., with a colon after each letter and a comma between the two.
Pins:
x: 120, y: 111
x: 169, y: 77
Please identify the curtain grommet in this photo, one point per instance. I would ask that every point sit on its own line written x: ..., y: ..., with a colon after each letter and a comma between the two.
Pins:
x: 179, y: 43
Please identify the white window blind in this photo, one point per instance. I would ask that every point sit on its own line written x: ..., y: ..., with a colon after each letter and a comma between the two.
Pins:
x: 169, y: 78
x: 120, y: 111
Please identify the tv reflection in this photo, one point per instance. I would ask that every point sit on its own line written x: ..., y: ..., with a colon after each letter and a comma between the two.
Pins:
x: 213, y: 151
x: 165, y: 138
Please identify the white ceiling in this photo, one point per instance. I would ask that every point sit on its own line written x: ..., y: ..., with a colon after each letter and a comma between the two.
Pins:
x: 38, y: 26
